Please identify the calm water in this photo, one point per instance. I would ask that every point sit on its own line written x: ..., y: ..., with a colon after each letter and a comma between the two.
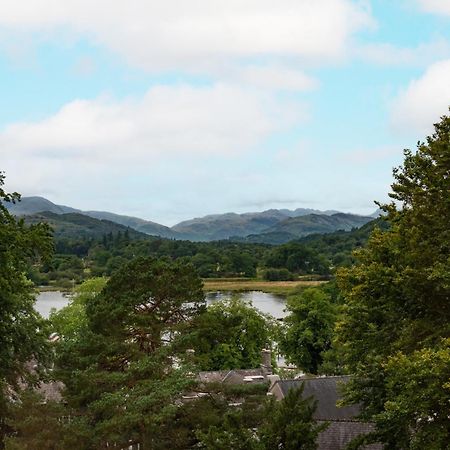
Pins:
x: 266, y: 303
x: 45, y: 301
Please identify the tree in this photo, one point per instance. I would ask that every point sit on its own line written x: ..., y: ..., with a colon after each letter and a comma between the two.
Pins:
x: 36, y: 424
x: 23, y: 334
x: 230, y: 335
x: 122, y: 370
x: 395, y: 330
x: 308, y: 329
x: 230, y: 434
x: 289, y: 424
x: 71, y: 320
x: 265, y: 424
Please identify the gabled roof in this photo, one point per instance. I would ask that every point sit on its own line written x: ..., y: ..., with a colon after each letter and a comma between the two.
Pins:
x: 326, y: 390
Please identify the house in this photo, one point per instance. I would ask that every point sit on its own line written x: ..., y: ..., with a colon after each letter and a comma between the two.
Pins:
x: 241, y: 376
x: 344, y: 425
x: 234, y: 376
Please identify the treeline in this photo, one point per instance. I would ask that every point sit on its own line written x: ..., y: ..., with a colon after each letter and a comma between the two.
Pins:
x: 79, y: 258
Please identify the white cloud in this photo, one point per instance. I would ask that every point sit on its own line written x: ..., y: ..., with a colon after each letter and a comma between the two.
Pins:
x: 422, y: 103
x: 392, y: 55
x: 196, y: 34
x: 276, y: 77
x: 435, y: 6
x: 168, y: 139
x: 168, y: 119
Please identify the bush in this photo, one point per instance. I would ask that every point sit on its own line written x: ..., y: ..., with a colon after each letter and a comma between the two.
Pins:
x: 278, y: 275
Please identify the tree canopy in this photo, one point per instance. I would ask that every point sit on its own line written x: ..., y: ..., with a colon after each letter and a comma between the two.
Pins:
x: 230, y: 335
x: 122, y: 370
x: 396, y: 325
x: 308, y: 329
x: 23, y: 334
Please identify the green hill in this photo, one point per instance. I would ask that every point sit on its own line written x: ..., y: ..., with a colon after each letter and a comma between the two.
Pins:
x: 79, y: 226
x: 298, y: 227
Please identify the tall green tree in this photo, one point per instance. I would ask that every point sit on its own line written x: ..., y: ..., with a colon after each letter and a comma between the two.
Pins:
x: 23, y: 334
x: 396, y: 324
x: 308, y: 329
x: 123, y: 373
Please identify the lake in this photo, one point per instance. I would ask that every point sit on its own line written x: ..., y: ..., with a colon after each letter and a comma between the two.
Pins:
x: 266, y: 303
x: 47, y: 300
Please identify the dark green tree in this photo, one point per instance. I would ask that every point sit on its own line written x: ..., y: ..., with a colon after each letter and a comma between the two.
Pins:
x: 290, y: 425
x: 396, y: 324
x: 230, y: 434
x: 36, y: 423
x: 122, y: 370
x: 23, y: 335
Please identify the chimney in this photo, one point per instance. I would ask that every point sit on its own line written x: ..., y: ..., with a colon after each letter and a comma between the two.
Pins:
x: 266, y: 361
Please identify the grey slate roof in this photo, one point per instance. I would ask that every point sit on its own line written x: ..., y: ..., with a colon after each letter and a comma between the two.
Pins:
x: 343, y: 421
x: 326, y: 390
x: 339, y: 434
x: 235, y: 376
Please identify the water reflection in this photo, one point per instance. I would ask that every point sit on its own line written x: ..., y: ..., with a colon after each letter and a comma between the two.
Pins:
x: 266, y: 303
x: 47, y: 300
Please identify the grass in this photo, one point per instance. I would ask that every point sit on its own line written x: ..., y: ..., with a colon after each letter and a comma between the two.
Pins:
x: 245, y: 284
x: 233, y: 284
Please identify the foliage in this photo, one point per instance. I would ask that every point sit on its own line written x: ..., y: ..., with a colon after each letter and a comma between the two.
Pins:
x: 423, y: 375
x: 22, y: 331
x: 36, y: 424
x: 230, y: 335
x: 122, y: 372
x: 289, y: 424
x: 71, y: 320
x: 397, y: 304
x: 297, y: 258
x: 87, y: 247
x: 278, y: 275
x: 338, y: 247
x: 308, y: 329
x: 231, y: 433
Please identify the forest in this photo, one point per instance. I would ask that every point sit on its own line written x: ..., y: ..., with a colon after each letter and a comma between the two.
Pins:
x: 126, y: 353
x: 77, y: 258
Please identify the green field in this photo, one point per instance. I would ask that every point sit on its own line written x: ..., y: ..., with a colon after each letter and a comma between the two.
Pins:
x: 245, y: 284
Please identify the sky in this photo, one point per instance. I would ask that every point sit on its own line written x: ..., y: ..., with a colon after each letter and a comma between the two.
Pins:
x: 174, y: 109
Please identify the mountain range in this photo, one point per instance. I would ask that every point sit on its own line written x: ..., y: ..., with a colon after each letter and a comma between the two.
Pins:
x: 271, y: 226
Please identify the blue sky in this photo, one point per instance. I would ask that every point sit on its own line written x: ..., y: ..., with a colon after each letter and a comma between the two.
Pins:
x: 170, y: 110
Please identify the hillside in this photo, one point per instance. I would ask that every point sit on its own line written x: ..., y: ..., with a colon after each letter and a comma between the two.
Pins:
x: 144, y: 226
x: 32, y: 205
x: 79, y: 226
x: 37, y: 205
x: 224, y: 226
x: 315, y: 223
x: 298, y: 227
